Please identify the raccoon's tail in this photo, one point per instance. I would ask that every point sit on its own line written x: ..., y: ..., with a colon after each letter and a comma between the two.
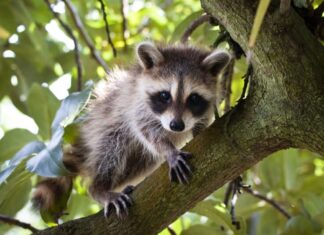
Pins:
x: 51, y: 194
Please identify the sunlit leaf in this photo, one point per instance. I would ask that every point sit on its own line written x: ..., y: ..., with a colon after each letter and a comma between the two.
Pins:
x: 42, y: 105
x: 10, y: 144
x: 29, y: 149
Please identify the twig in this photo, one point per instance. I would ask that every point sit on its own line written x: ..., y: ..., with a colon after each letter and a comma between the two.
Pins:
x: 104, y: 15
x: 247, y: 78
x: 18, y: 223
x: 284, y: 6
x: 197, y: 22
x: 85, y: 35
x: 269, y: 201
x: 171, y: 231
x: 68, y: 30
x: 123, y: 4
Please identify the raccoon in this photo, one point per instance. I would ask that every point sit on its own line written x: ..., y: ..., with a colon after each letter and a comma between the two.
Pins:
x: 141, y: 117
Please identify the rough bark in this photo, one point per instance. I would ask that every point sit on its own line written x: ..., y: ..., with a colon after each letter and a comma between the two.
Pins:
x: 284, y: 109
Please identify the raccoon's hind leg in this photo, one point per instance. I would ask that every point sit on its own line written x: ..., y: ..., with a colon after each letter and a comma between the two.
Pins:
x: 118, y: 201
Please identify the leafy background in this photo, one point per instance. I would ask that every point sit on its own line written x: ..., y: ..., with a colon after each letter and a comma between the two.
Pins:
x: 38, y: 71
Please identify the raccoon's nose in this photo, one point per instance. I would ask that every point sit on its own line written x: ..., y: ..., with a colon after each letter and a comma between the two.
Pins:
x: 177, y: 125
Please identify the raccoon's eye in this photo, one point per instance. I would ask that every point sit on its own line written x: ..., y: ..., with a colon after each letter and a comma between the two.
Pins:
x: 194, y: 99
x: 197, y: 104
x: 165, y: 96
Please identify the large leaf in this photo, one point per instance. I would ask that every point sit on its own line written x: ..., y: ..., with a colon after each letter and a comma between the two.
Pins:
x: 12, y: 141
x: 26, y: 151
x: 299, y: 225
x: 42, y: 105
x: 71, y: 107
x: 15, y: 193
x: 219, y: 214
x: 49, y: 161
x: 201, y: 230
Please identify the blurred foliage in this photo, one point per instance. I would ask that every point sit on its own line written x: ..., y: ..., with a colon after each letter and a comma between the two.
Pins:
x: 38, y: 70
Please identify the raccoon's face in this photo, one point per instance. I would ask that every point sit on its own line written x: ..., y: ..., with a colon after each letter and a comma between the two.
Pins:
x: 180, y: 84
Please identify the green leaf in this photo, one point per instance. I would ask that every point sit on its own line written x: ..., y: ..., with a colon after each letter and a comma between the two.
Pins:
x: 15, y: 193
x: 42, y: 105
x: 201, y: 230
x: 261, y: 11
x: 299, y: 225
x: 219, y: 214
x: 26, y: 151
x: 290, y: 162
x: 71, y: 107
x: 49, y: 162
x: 14, y: 140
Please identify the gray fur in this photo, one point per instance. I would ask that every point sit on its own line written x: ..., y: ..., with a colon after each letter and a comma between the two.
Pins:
x: 122, y: 139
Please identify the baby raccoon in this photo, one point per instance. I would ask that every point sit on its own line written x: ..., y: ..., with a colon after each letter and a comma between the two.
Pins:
x: 139, y: 118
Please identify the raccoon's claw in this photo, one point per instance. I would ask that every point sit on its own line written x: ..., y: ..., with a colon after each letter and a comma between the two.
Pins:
x: 120, y: 202
x: 179, y: 171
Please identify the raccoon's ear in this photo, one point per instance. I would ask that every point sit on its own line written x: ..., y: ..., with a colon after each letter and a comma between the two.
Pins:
x: 148, y: 55
x: 216, y: 61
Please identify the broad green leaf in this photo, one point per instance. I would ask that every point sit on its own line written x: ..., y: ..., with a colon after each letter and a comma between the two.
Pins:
x: 48, y: 162
x: 313, y: 204
x: 290, y: 168
x: 12, y: 141
x: 15, y: 193
x: 219, y: 214
x: 42, y: 105
x: 71, y: 107
x: 261, y: 11
x: 271, y: 171
x: 299, y: 225
x: 201, y: 230
x: 268, y: 218
x: 29, y: 149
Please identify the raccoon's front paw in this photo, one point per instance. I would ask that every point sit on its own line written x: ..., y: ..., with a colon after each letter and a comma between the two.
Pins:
x: 120, y: 202
x: 179, y: 171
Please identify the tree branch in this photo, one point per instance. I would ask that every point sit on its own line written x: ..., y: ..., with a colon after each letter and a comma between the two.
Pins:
x: 271, y: 202
x: 104, y: 15
x: 85, y: 35
x: 12, y: 221
x: 194, y: 24
x: 68, y: 30
x: 123, y: 6
x: 271, y: 118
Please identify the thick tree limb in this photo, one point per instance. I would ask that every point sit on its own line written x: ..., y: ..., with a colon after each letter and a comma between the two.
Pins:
x: 284, y: 109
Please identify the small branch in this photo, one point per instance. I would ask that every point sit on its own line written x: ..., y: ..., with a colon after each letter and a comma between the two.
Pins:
x: 85, y: 35
x: 273, y: 203
x: 104, y: 14
x: 284, y: 6
x: 197, y: 22
x: 12, y: 221
x: 247, y: 78
x: 68, y: 30
x: 171, y: 231
x: 123, y: 4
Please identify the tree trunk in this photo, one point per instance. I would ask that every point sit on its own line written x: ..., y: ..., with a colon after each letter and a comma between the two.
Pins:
x: 284, y: 108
